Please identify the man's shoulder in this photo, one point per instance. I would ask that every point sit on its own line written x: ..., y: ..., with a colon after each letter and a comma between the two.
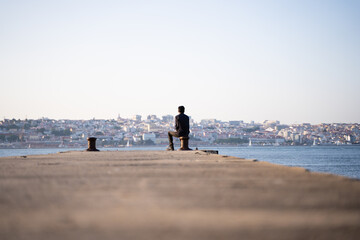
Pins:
x: 182, y: 116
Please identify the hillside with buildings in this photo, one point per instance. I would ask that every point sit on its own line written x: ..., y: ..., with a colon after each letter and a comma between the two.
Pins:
x: 121, y: 132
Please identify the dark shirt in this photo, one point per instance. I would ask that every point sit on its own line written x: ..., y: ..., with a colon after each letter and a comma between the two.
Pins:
x: 182, y: 124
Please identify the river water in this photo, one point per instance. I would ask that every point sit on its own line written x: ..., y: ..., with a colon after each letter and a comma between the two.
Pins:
x: 340, y: 160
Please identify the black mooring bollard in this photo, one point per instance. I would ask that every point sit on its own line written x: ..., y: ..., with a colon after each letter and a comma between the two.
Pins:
x: 92, y: 144
x: 184, y: 144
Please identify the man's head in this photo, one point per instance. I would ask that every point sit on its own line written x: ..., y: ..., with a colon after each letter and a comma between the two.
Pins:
x: 181, y: 109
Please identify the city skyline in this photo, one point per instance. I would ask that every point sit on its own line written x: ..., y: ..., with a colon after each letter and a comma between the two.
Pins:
x: 292, y: 61
x: 45, y: 133
x: 159, y: 117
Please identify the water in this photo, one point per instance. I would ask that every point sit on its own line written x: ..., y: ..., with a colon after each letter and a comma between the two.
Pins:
x: 340, y: 160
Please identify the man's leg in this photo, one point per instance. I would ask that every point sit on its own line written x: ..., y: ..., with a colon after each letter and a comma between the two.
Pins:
x: 171, y: 143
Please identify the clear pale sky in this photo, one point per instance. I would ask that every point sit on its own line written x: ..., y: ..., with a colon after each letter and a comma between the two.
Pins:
x: 293, y: 61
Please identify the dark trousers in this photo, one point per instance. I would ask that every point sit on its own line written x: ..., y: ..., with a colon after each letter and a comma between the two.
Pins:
x: 171, y: 135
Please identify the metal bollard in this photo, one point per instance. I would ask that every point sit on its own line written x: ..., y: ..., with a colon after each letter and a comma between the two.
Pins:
x: 92, y: 144
x: 184, y: 144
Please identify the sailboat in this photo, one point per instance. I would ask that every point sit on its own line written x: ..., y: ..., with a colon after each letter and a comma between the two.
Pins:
x: 128, y: 144
x: 314, y: 143
x: 250, y: 142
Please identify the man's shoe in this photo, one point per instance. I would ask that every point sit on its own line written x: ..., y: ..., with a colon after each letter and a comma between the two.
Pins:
x: 170, y: 148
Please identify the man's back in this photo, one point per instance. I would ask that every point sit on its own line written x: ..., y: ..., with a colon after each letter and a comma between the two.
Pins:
x: 182, y: 124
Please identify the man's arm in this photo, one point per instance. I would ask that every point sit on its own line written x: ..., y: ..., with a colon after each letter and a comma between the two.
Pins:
x: 177, y: 123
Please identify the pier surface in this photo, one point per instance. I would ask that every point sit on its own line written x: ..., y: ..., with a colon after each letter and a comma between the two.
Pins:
x: 171, y: 195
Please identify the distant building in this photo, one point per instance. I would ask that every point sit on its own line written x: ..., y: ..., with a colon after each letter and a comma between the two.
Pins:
x: 208, y: 121
x: 152, y: 127
x: 168, y: 118
x: 152, y: 117
x: 280, y: 127
x: 350, y: 138
x: 137, y: 118
x: 149, y: 136
x: 235, y: 123
x: 271, y: 123
x: 137, y: 138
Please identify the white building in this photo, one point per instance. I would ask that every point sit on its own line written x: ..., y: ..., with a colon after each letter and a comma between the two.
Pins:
x: 149, y: 136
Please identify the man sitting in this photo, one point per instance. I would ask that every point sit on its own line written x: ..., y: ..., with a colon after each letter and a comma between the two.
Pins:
x: 181, y: 126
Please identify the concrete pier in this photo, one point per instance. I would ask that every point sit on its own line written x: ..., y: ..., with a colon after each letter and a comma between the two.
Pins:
x: 171, y: 195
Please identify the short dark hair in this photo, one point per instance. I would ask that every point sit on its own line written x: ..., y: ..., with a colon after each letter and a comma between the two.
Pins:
x: 181, y: 109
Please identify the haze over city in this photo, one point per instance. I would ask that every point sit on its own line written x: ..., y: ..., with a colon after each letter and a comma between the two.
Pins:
x: 292, y: 61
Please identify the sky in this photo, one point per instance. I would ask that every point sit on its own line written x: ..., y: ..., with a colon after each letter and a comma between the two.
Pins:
x: 292, y: 61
